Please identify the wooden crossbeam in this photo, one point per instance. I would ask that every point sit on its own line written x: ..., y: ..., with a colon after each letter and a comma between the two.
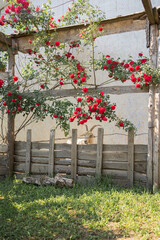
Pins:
x: 127, y: 23
x: 5, y: 41
x: 148, y: 9
x: 117, y: 90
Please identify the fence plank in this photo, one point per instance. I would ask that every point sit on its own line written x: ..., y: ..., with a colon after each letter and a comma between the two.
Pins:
x: 74, y: 154
x: 28, y: 152
x: 99, y: 151
x: 131, y: 157
x: 51, y: 161
x: 115, y: 165
x: 115, y: 173
x: 3, y: 148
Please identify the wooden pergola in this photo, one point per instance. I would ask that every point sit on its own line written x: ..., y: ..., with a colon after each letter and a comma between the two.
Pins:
x: 146, y: 20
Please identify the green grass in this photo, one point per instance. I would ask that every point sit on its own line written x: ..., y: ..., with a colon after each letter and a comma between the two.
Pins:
x: 100, y: 211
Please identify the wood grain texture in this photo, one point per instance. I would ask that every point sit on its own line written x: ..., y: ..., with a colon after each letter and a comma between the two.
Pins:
x: 51, y: 160
x: 28, y: 152
x: 74, y: 154
x: 131, y: 157
x: 99, y: 160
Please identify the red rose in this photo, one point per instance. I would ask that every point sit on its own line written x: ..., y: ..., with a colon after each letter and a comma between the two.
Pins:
x: 78, y: 109
x: 19, y: 109
x: 131, y: 68
x: 137, y: 85
x: 29, y: 41
x: 109, y: 61
x: 6, y: 11
x: 71, y: 119
x: 57, y: 44
x: 8, y: 111
x: 4, y: 104
x: 55, y: 116
x: 97, y: 118
x: 19, y: 97
x: 105, y: 67
x: 131, y: 62
x: 85, y: 90
x: 13, y: 100
x: 72, y: 75
x: 18, y: 9
x: 102, y: 93
x: 75, y: 80
x: 37, y: 9
x: 15, y: 78
x: 83, y: 79
x: 100, y: 29
x: 31, y: 108
x: 79, y: 99
x: 61, y: 83
x: 137, y: 68
x: 19, y: 1
x: 107, y: 55
x: 38, y: 104
x: 140, y: 54
x: 98, y: 100
x: 121, y: 124
x: 113, y: 107
x: 143, y: 60
x: 104, y: 119
x: 101, y: 110
x: 82, y: 122
x: 126, y: 65
x: 9, y: 94
x: 47, y: 43
x: 42, y: 86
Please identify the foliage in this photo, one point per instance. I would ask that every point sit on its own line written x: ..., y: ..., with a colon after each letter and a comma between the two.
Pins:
x: 96, y: 211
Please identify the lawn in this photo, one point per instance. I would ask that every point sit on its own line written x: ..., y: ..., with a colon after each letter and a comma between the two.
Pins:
x: 100, y: 211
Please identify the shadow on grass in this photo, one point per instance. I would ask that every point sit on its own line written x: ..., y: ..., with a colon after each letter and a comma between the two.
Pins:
x: 37, y: 213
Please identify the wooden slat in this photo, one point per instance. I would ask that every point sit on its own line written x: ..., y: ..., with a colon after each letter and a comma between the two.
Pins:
x: 89, y: 147
x: 19, y: 145
x: 3, y: 160
x: 115, y: 173
x: 99, y: 159
x: 140, y: 148
x: 74, y: 154
x: 86, y: 171
x: 3, y: 171
x: 3, y: 148
x: 127, y: 23
x: 28, y: 152
x: 140, y: 177
x: 131, y: 157
x: 40, y: 145
x: 140, y: 167
x: 51, y: 160
x: 87, y: 163
x: 115, y: 148
x: 148, y: 9
x: 115, y: 165
x: 45, y: 153
x: 87, y: 155
x: 20, y: 158
x: 139, y: 157
x: 62, y: 146
x: 115, y: 156
x: 5, y: 41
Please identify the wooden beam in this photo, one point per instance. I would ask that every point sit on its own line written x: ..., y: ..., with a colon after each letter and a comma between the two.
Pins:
x: 148, y: 9
x: 127, y: 23
x: 5, y: 41
x: 117, y: 90
x: 156, y: 15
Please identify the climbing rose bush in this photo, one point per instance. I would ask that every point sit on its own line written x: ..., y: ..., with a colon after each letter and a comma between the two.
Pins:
x: 52, y: 64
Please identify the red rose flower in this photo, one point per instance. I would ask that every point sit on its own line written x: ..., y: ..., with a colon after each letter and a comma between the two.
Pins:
x: 131, y: 68
x: 100, y: 29
x: 137, y: 85
x: 143, y: 60
x: 38, y: 104
x: 140, y: 54
x: 18, y: 9
x: 98, y: 100
x: 105, y: 67
x: 61, y: 83
x: 9, y: 94
x: 109, y: 61
x: 113, y: 107
x: 14, y: 100
x: 75, y: 80
x: 71, y: 119
x: 57, y: 44
x: 72, y: 75
x: 29, y: 41
x: 4, y: 104
x: 19, y: 97
x: 8, y: 111
x: 121, y: 124
x: 15, y: 78
x: 97, y: 118
x: 79, y: 99
x: 101, y: 93
x: 104, y: 119
x: 107, y: 55
x: 19, y: 1
x: 55, y: 116
x: 137, y: 68
x: 85, y: 90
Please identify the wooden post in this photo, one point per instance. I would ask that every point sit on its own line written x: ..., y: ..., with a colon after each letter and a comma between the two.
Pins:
x: 51, y: 153
x: 152, y: 131
x: 74, y: 154
x: 131, y: 157
x: 99, y: 160
x: 156, y: 153
x: 28, y: 152
x: 10, y: 133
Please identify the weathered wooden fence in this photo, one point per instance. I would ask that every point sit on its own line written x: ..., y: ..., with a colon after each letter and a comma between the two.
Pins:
x: 124, y: 162
x: 3, y: 161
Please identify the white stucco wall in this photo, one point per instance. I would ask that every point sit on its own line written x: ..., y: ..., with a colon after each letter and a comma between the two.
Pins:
x: 131, y: 106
